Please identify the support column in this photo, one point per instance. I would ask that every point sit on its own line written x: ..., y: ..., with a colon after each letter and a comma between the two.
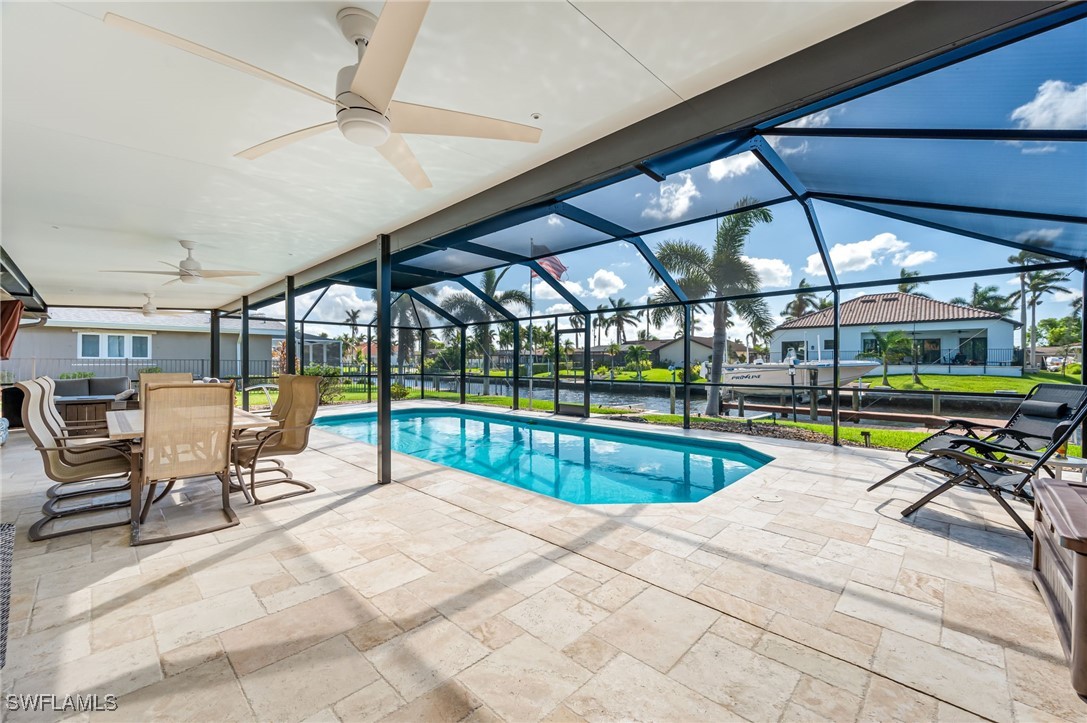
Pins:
x: 687, y: 366
x: 243, y: 373
x: 587, y: 360
x: 555, y: 360
x: 463, y: 364
x: 369, y: 363
x: 1083, y: 353
x: 422, y: 363
x: 289, y: 339
x: 384, y: 354
x: 837, y: 368
x: 215, y: 351
x: 517, y: 365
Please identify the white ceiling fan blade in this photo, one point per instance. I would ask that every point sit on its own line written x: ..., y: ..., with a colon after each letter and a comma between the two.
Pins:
x: 175, y: 281
x: 276, y: 143
x: 411, y: 118
x: 214, y: 55
x: 140, y: 271
x: 397, y: 152
x: 221, y: 273
x: 387, y: 53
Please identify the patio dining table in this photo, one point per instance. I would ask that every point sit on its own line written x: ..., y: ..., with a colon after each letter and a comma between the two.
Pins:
x: 127, y: 424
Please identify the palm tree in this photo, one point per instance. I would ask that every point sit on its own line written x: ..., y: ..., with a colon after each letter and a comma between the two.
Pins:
x: 1039, y: 284
x: 601, y: 322
x: 471, y: 308
x: 614, y: 350
x: 720, y: 271
x: 910, y: 287
x: 1023, y: 259
x: 800, y: 304
x: 621, y: 318
x: 1077, y: 308
x: 567, y: 350
x: 988, y: 298
x: 890, y: 348
x: 637, y: 355
x: 405, y: 323
x: 352, y: 321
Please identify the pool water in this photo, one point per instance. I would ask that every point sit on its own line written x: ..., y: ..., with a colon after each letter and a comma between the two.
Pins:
x: 578, y: 463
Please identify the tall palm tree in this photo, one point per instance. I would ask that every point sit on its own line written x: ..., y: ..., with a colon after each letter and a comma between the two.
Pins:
x: 621, y: 317
x: 906, y: 286
x: 471, y: 308
x: 637, y: 355
x: 891, y: 346
x: 352, y: 321
x: 802, y: 302
x: 1038, y: 285
x: 988, y: 298
x: 1023, y: 259
x: 1077, y: 308
x: 721, y: 270
x: 614, y: 350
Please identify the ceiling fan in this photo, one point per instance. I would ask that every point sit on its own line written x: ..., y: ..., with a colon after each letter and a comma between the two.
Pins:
x: 366, y: 114
x: 149, y: 308
x: 189, y: 271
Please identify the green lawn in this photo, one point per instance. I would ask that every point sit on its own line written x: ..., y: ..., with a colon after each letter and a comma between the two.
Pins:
x: 974, y: 383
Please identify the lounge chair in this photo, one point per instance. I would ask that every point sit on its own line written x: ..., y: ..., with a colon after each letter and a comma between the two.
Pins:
x: 291, y: 437
x: 1029, y: 429
x: 1008, y: 476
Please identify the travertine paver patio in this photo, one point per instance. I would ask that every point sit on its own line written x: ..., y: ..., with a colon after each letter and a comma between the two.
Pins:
x: 447, y: 596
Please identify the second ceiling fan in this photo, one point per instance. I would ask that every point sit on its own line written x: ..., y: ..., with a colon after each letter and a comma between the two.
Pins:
x: 366, y: 113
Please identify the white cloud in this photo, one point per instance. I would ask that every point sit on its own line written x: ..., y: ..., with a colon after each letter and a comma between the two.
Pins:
x: 673, y: 200
x: 1064, y: 297
x: 333, y: 307
x: 733, y: 166
x: 558, y: 309
x: 1034, y: 148
x: 1057, y: 105
x: 914, y: 258
x: 1040, y: 234
x: 774, y: 273
x: 818, y: 119
x: 865, y: 254
x: 554, y: 220
x: 604, y: 283
x: 541, y: 290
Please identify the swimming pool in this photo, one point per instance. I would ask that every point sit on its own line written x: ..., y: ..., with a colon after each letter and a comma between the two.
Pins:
x: 578, y: 463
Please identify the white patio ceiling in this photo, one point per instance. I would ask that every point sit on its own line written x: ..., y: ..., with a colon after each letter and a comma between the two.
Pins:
x: 115, y: 146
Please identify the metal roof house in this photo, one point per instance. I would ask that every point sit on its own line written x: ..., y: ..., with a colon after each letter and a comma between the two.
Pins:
x: 949, y: 337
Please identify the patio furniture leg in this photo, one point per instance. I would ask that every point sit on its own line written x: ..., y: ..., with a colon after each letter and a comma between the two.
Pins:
x: 58, y: 491
x: 147, y: 504
x: 934, y: 494
x: 896, y: 473
x: 1008, y: 508
x: 288, y: 478
x: 231, y: 520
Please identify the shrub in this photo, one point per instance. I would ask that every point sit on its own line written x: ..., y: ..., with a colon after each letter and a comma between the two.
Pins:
x: 149, y: 370
x: 76, y: 375
x: 1074, y: 369
x: 398, y: 391
x: 331, y: 387
x: 603, y: 370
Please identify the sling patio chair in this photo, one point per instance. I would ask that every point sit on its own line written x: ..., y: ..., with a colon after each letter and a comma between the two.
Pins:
x: 1029, y: 429
x: 92, y: 463
x: 1000, y: 471
x: 254, y: 454
x: 187, y: 432
x: 161, y: 378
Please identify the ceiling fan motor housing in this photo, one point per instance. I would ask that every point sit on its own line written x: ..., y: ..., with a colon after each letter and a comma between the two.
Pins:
x: 358, y: 120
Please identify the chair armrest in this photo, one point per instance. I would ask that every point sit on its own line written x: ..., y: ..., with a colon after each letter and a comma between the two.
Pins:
x: 968, y: 424
x: 986, y: 448
x: 86, y: 448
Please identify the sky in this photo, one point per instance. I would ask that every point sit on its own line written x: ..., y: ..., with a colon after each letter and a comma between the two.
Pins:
x: 1038, y: 83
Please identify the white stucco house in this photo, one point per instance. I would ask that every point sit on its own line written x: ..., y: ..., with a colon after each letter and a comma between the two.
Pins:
x: 951, y: 338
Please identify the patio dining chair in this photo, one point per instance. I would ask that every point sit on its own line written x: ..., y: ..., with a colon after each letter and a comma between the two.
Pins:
x: 161, y: 378
x: 94, y: 463
x: 186, y: 434
x: 1000, y: 471
x: 255, y: 456
x: 1029, y: 429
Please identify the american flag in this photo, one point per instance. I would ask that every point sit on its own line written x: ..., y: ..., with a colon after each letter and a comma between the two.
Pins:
x: 551, y: 264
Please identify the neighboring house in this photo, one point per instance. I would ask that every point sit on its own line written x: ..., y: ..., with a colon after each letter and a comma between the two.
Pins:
x: 108, y: 342
x: 945, y: 334
x: 665, y: 352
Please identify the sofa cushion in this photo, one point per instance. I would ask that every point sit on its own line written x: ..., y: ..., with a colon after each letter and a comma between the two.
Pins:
x: 109, y: 385
x: 73, y: 388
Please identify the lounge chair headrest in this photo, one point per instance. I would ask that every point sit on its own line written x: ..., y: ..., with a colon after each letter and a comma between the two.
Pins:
x: 1054, y: 410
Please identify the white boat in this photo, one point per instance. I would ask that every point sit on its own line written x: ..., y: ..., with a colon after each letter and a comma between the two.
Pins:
x: 777, y: 374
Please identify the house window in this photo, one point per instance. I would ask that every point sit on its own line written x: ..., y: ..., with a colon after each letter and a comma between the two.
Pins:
x: 797, y: 347
x: 114, y: 346
x: 828, y: 344
x: 871, y: 346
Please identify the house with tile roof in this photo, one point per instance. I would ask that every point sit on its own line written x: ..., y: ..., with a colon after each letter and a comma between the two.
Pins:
x: 947, y: 337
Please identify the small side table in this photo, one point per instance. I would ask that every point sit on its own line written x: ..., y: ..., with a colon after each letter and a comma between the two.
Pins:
x: 1074, y: 464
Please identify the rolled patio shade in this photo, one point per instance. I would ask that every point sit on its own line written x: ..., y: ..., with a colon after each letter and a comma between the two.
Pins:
x: 10, y: 313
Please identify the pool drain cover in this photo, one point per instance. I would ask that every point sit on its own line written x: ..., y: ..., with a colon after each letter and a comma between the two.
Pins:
x: 766, y: 497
